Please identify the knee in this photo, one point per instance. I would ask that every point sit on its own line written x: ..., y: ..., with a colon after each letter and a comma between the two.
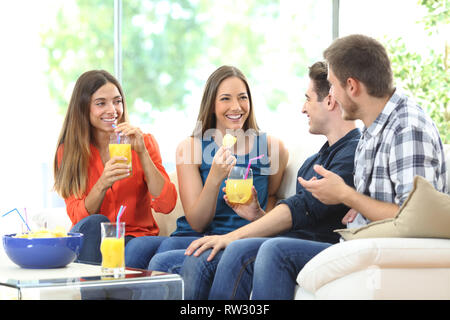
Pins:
x: 90, y: 224
x: 238, y: 245
x: 199, y: 263
x: 158, y: 262
x: 270, y: 249
x: 155, y: 262
x: 170, y: 261
x: 242, y: 250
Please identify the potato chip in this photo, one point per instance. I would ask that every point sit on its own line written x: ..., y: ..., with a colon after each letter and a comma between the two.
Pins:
x: 57, y: 232
x: 228, y: 140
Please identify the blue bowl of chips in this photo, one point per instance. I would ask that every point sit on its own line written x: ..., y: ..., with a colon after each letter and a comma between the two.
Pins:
x: 42, y: 253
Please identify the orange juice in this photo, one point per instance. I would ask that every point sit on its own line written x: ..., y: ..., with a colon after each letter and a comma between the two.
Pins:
x: 239, y: 190
x: 120, y: 150
x: 113, y: 253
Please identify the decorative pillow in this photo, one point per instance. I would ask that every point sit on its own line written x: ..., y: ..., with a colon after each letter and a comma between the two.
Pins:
x: 424, y: 214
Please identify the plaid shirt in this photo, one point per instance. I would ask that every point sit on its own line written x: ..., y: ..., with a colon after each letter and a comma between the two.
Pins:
x: 401, y: 143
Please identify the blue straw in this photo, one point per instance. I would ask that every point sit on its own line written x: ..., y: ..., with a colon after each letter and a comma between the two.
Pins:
x: 119, y: 214
x: 118, y: 136
x: 15, y: 209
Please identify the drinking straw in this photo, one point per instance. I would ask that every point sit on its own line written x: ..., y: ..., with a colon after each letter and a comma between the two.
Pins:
x: 26, y: 215
x: 118, y: 136
x: 15, y: 209
x: 119, y: 214
x: 250, y: 162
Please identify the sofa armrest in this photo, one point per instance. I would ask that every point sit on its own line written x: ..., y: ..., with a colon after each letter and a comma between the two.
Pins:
x: 352, y: 256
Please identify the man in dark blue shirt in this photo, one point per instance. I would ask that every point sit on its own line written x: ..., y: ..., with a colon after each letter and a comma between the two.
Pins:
x: 214, y: 273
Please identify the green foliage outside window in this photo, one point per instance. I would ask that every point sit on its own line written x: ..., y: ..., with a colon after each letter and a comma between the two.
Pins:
x: 427, y: 77
x: 165, y: 43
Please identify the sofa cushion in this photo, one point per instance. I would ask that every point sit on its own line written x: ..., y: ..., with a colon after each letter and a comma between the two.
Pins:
x: 369, y: 255
x: 424, y: 214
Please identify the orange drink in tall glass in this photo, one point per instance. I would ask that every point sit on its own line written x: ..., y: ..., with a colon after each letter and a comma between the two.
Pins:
x: 120, y: 146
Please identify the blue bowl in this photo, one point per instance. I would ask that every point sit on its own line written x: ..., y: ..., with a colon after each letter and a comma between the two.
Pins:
x: 43, y: 253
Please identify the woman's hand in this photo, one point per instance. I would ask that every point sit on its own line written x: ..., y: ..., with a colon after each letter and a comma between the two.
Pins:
x: 251, y: 210
x: 222, y: 163
x: 115, y: 169
x: 217, y: 243
x: 135, y: 134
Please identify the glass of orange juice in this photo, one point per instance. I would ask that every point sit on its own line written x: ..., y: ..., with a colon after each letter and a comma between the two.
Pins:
x: 120, y: 146
x: 238, y: 189
x: 112, y: 248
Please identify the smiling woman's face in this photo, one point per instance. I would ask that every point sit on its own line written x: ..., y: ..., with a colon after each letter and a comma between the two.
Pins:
x: 106, y: 107
x: 232, y: 104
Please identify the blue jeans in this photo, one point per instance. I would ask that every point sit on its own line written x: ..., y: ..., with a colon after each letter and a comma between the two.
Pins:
x: 90, y: 228
x: 246, y: 265
x: 277, y: 265
x: 227, y: 276
x: 138, y: 251
x: 170, y: 255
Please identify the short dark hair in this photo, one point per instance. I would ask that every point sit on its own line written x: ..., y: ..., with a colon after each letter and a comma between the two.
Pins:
x: 363, y: 58
x: 318, y: 73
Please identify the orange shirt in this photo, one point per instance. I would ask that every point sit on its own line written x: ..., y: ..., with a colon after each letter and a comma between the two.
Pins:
x: 131, y: 192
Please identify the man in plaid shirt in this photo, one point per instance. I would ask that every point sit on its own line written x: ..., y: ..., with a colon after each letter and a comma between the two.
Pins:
x: 399, y: 139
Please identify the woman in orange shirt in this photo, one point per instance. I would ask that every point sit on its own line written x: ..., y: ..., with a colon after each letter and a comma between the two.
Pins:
x: 95, y: 186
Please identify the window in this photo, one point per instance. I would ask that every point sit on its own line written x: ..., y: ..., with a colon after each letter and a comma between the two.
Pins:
x: 169, y: 48
x: 45, y: 48
x: 416, y: 36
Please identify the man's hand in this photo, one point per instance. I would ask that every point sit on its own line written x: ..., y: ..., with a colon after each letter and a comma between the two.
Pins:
x: 331, y: 189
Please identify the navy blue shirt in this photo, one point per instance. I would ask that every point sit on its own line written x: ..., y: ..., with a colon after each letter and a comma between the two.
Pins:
x: 311, y: 219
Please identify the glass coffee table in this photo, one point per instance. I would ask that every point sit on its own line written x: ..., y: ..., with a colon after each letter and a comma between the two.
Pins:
x: 80, y: 281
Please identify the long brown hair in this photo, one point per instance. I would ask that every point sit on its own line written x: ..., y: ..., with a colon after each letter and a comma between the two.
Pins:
x: 76, y: 134
x: 206, y: 116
